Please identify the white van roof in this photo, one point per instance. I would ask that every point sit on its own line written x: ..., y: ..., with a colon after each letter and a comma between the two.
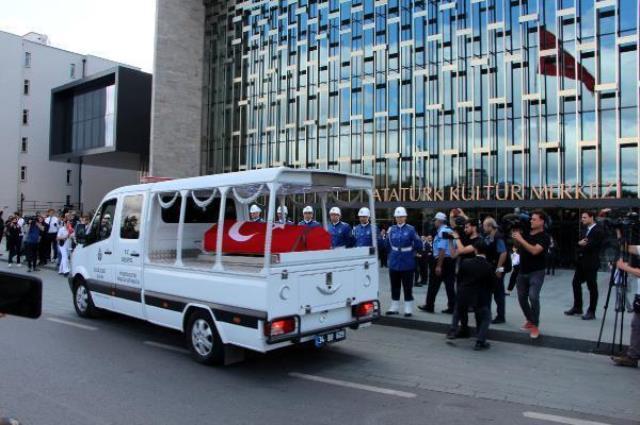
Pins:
x: 319, y: 180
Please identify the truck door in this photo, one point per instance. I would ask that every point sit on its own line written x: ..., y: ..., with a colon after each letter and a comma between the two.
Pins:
x: 100, y: 255
x: 128, y: 257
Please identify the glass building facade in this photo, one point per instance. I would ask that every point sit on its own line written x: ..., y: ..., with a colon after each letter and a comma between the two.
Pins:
x: 423, y: 93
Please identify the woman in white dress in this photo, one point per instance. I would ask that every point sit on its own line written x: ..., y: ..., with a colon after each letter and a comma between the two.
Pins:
x: 64, y: 243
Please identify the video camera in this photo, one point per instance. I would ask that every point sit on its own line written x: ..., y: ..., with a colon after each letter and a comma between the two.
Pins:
x: 518, y: 221
x: 622, y: 228
x: 458, y: 227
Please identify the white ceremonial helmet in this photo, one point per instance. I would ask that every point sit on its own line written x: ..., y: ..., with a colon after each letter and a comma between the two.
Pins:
x: 283, y: 209
x: 335, y: 210
x: 307, y: 209
x: 400, y: 212
x: 255, y: 209
x: 364, y: 212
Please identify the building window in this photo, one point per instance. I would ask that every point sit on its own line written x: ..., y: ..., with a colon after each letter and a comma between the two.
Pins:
x: 23, y: 146
x: 25, y: 117
x: 27, y: 60
x: 72, y: 70
x: 68, y: 201
x: 69, y: 177
x: 23, y: 173
x: 27, y: 86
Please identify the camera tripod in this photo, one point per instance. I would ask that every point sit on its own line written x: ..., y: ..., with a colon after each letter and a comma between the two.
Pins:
x: 618, y: 280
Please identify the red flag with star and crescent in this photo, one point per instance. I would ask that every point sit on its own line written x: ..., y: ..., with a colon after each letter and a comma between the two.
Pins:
x: 248, y: 237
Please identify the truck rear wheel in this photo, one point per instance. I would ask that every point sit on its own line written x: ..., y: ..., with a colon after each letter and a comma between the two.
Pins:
x: 203, y: 339
x: 82, y: 301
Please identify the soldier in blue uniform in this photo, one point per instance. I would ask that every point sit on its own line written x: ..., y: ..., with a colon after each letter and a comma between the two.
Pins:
x: 444, y: 267
x: 341, y: 236
x: 282, y: 213
x: 254, y: 214
x: 307, y: 214
x: 402, y: 243
x: 364, y: 232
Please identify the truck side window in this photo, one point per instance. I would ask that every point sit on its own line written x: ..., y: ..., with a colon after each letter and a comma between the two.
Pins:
x: 131, y: 216
x: 102, y: 222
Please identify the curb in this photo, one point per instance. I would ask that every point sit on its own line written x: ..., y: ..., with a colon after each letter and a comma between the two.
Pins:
x: 546, y: 341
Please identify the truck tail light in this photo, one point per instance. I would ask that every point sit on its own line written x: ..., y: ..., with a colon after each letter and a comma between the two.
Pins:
x: 280, y: 327
x: 365, y: 309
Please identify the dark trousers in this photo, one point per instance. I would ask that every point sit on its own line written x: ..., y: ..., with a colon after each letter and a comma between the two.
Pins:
x: 551, y: 264
x: 529, y: 287
x: 499, y: 298
x: 461, y: 310
x: 513, y: 277
x: 422, y: 271
x: 32, y: 254
x: 480, y: 300
x: 53, y: 244
x: 383, y: 257
x: 14, y: 250
x: 634, y: 341
x: 590, y: 276
x: 401, y: 279
x: 448, y: 276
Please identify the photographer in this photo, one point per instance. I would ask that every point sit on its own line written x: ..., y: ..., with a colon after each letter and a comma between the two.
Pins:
x: 631, y: 357
x: 533, y: 246
x: 587, y: 264
x: 465, y: 249
x: 444, y: 269
x: 498, y: 257
x: 32, y: 238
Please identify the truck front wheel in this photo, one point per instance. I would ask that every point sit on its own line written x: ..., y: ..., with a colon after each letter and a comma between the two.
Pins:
x: 203, y: 339
x: 82, y: 301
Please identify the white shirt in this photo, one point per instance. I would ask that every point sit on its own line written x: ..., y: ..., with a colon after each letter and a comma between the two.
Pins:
x: 53, y: 223
x: 589, y: 229
x: 515, y: 259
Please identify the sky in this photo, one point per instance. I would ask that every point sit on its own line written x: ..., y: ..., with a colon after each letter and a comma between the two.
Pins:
x: 120, y: 30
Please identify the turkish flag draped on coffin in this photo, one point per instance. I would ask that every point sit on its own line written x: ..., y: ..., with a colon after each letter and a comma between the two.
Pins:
x: 248, y: 237
x: 569, y: 67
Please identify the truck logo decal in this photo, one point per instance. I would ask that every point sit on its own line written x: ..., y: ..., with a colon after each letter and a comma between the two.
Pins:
x: 329, y: 289
x: 234, y: 233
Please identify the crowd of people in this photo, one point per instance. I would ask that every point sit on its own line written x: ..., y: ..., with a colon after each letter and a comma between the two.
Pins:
x: 41, y: 238
x: 470, y: 258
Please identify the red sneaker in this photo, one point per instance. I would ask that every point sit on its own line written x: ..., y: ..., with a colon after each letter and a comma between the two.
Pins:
x: 535, y: 332
x: 526, y: 326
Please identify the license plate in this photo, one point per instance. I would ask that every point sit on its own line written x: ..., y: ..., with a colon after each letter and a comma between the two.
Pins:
x: 330, y: 337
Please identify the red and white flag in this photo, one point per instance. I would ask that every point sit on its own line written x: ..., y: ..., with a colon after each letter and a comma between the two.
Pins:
x: 569, y: 67
x: 248, y: 237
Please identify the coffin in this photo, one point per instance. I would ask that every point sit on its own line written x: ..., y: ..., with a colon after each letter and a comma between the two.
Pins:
x: 248, y: 237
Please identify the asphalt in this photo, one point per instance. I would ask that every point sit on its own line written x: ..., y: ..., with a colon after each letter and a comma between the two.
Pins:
x: 61, y: 369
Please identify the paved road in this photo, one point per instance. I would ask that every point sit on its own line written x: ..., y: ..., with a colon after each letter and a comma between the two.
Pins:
x: 64, y: 370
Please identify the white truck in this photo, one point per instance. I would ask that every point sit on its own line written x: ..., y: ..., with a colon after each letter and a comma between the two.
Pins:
x: 184, y: 254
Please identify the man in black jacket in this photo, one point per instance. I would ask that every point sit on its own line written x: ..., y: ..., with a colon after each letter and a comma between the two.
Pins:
x: 422, y: 263
x: 588, y: 262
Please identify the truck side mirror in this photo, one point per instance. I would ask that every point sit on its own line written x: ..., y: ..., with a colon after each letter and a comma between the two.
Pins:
x: 20, y: 295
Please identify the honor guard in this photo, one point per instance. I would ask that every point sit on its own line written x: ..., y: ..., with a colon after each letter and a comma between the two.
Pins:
x: 364, y: 233
x: 283, y: 212
x: 402, y: 244
x: 254, y: 214
x: 339, y: 230
x: 307, y: 214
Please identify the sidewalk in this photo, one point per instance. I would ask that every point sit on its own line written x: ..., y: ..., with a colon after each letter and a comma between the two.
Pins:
x: 557, y: 330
